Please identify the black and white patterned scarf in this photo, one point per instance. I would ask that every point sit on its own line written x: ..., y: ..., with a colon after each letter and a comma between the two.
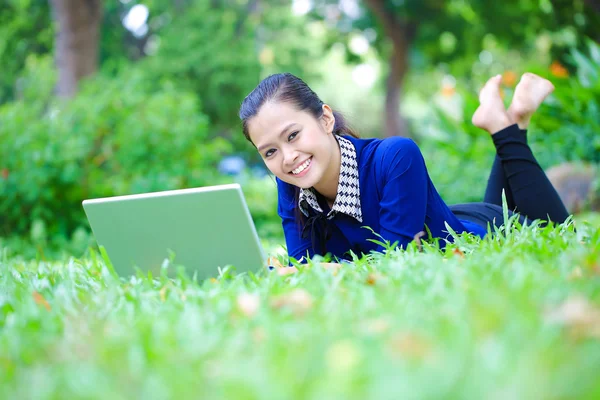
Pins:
x: 347, y: 199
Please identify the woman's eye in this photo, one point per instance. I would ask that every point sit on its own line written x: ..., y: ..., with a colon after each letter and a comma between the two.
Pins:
x: 269, y: 153
x: 292, y: 136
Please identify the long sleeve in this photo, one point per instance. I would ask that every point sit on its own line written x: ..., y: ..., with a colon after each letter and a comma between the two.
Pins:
x: 403, y: 184
x: 297, y: 247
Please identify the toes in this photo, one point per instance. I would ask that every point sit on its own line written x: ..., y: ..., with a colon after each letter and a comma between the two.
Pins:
x: 491, y: 86
x: 532, y: 82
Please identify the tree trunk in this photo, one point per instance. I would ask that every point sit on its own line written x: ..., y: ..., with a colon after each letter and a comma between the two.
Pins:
x: 594, y: 5
x: 395, y: 125
x: 400, y: 34
x: 77, y: 41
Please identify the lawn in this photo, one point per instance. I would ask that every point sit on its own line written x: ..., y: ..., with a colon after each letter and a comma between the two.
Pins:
x: 516, y: 315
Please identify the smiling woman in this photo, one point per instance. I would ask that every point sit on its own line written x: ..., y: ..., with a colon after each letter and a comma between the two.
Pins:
x: 332, y: 184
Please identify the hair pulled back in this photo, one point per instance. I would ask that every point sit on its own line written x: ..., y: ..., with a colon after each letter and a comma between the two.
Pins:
x: 287, y: 88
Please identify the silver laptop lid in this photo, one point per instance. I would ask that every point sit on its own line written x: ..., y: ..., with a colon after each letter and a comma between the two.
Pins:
x: 206, y: 228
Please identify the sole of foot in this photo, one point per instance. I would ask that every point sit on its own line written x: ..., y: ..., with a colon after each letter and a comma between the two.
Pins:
x: 529, y: 95
x: 491, y: 114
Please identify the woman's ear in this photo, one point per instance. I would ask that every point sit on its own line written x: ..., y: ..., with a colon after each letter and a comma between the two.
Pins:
x: 328, y: 119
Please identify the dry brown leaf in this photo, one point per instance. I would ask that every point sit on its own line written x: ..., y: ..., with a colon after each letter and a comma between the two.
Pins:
x: 576, y: 273
x: 458, y: 252
x: 375, y: 326
x: 248, y: 304
x: 259, y: 334
x: 409, y: 345
x: 373, y: 278
x: 580, y: 316
x: 298, y: 300
x: 40, y: 300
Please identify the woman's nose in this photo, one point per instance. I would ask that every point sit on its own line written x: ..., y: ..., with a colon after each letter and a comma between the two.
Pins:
x: 290, y: 156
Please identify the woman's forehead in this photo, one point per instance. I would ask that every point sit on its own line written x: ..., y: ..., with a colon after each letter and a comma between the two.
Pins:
x: 273, y: 117
x: 276, y: 111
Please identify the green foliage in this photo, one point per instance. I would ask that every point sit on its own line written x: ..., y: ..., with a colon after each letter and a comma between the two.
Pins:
x: 206, y: 48
x: 261, y: 196
x: 516, y: 315
x: 567, y: 129
x: 25, y: 28
x: 116, y: 137
x: 445, y: 31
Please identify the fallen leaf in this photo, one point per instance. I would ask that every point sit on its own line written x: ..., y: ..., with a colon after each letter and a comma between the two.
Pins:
x: 375, y: 326
x: 576, y: 273
x: 163, y: 294
x: 259, y: 334
x: 581, y: 317
x: 410, y: 345
x: 298, y: 300
x: 248, y: 304
x: 39, y: 299
x: 458, y: 252
x: 373, y: 278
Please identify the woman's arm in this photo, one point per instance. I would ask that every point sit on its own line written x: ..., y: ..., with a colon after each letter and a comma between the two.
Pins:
x: 404, y: 183
x: 297, y: 247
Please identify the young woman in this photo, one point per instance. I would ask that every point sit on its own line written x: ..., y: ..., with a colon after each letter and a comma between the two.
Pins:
x: 331, y: 184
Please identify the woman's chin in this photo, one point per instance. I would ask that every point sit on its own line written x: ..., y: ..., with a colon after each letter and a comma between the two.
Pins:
x: 302, y: 182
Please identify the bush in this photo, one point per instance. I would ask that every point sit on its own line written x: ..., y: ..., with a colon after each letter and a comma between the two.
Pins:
x: 116, y: 137
x: 565, y: 128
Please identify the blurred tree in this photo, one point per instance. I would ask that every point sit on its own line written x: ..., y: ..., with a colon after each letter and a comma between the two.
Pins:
x: 220, y: 48
x: 77, y: 41
x: 444, y: 30
x: 24, y: 30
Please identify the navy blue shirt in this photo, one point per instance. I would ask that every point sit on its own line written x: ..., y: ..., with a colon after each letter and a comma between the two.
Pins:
x: 397, y: 201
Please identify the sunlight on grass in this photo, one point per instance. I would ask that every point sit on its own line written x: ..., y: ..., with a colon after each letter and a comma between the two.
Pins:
x: 513, y: 316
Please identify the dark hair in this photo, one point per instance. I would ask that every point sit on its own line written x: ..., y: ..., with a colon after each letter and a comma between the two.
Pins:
x: 291, y: 89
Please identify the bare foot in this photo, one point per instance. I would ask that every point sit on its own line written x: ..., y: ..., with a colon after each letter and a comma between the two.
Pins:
x: 529, y: 94
x: 491, y: 114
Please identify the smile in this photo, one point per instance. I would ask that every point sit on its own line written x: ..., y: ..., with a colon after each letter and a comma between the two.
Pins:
x: 302, y: 167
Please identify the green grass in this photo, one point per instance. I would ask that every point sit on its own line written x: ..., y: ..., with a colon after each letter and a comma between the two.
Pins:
x: 513, y: 316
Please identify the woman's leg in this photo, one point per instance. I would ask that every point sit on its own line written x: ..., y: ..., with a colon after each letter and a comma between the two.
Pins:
x: 496, y: 185
x: 532, y: 193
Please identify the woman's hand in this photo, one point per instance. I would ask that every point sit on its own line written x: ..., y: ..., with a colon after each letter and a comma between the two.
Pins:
x: 331, y: 266
x: 282, y: 270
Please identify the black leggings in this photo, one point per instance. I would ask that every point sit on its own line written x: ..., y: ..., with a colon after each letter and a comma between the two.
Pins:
x: 526, y: 186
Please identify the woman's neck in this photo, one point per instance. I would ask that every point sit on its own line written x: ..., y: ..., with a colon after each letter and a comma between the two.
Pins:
x: 328, y: 185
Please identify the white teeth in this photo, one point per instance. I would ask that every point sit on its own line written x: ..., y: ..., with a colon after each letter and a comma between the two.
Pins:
x: 301, y: 167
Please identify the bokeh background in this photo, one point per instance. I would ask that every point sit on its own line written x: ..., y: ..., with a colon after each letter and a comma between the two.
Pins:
x: 102, y: 98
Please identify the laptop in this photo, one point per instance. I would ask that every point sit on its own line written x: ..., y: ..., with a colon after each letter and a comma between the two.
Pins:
x: 204, y: 228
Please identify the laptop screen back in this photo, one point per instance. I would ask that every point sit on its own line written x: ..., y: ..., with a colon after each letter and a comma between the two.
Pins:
x: 205, y: 228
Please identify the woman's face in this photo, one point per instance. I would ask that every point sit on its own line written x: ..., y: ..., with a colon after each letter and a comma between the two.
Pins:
x: 296, y: 147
